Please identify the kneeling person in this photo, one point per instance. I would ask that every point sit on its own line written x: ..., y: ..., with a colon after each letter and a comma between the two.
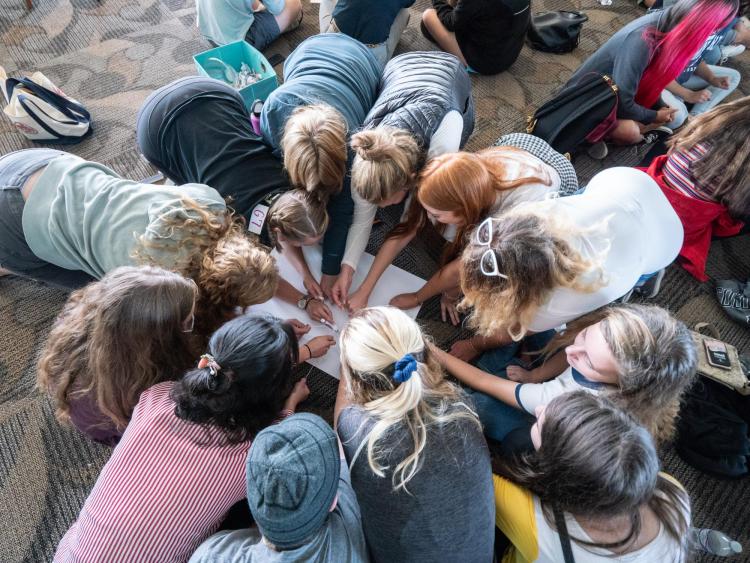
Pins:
x: 297, y: 463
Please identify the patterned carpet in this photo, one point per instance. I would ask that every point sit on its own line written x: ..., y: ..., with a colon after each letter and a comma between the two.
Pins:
x: 111, y: 55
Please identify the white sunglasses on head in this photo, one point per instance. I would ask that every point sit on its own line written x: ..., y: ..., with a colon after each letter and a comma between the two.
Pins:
x: 488, y: 263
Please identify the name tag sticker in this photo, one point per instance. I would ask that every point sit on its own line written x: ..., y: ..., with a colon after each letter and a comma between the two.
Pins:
x: 257, y: 218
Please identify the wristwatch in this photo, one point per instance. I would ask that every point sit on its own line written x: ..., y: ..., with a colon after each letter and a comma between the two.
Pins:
x: 304, y: 302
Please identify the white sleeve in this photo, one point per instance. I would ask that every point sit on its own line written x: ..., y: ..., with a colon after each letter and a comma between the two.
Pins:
x: 447, y: 137
x: 531, y: 395
x: 359, y: 232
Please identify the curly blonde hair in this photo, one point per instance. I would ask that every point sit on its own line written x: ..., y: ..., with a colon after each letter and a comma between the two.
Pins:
x: 230, y: 269
x: 537, y: 254
x: 314, y: 146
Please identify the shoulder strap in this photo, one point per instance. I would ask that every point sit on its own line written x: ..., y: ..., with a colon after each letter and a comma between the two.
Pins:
x: 562, y: 530
x: 72, y: 110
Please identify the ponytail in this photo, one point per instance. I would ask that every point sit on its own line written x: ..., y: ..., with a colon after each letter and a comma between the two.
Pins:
x: 391, y: 375
x: 298, y: 216
x: 241, y: 384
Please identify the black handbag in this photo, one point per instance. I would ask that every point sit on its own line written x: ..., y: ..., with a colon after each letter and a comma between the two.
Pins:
x: 582, y: 111
x: 555, y: 32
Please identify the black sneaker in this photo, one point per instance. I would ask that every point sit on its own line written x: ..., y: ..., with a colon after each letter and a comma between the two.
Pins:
x: 652, y: 285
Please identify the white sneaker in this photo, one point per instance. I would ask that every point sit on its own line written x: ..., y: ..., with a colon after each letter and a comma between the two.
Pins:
x: 728, y: 51
x: 598, y: 151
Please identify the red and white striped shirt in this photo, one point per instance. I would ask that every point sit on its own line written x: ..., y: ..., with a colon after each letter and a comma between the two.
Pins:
x: 677, y: 174
x: 166, y: 488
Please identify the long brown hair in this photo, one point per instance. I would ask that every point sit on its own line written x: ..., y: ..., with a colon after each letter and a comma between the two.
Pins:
x: 596, y: 462
x: 725, y: 168
x: 230, y: 269
x: 656, y: 359
x: 468, y: 184
x: 116, y: 337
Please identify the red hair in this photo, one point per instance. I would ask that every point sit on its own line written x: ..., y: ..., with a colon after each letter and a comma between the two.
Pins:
x: 674, y: 49
x: 467, y: 184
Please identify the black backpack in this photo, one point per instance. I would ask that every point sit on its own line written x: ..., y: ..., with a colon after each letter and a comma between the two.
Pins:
x: 555, y: 32
x: 712, y: 430
x: 582, y: 111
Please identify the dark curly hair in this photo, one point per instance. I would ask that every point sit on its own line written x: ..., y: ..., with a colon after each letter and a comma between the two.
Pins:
x: 256, y: 356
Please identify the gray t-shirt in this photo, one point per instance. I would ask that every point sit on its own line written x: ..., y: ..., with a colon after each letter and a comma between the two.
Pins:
x: 448, y: 513
x: 340, y: 539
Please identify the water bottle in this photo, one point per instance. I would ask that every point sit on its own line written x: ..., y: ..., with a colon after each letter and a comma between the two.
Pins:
x: 255, y: 115
x: 714, y: 542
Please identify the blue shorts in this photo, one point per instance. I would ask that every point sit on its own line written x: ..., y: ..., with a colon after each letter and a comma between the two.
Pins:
x: 264, y: 30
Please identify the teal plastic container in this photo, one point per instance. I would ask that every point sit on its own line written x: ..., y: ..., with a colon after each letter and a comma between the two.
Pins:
x: 234, y: 54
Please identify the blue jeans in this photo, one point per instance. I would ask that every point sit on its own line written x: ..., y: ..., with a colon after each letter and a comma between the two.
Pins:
x: 713, y: 55
x: 15, y: 254
x: 696, y: 83
x: 497, y: 417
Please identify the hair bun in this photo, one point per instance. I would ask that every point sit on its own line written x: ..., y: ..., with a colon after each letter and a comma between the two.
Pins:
x: 371, y: 144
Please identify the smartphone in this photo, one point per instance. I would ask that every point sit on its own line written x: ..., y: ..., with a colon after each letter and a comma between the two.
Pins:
x: 716, y: 354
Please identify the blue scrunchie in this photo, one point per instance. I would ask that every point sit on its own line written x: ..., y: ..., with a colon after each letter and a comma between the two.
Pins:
x: 404, y: 368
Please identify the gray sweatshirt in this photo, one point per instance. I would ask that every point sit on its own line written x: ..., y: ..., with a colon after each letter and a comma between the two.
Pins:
x: 624, y: 57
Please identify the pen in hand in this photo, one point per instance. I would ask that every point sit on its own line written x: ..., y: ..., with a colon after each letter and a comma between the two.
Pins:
x: 332, y: 326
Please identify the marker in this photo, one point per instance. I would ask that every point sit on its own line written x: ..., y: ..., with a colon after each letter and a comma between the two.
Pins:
x: 329, y: 325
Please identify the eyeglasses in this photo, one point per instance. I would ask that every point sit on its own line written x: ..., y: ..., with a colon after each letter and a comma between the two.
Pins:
x: 488, y: 263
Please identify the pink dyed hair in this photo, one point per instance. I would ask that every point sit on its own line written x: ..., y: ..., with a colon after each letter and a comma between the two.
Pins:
x: 674, y: 49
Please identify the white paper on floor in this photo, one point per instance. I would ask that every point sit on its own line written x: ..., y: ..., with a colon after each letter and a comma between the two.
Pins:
x: 393, y: 282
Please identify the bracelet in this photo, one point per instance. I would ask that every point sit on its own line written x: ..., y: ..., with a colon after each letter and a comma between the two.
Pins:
x: 310, y: 301
x: 308, y: 351
x: 472, y: 346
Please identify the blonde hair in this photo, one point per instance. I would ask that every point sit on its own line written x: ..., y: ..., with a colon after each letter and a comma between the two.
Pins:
x: 656, y: 359
x: 230, y: 269
x: 537, y: 253
x: 386, y: 161
x: 314, y: 146
x: 371, y: 343
x: 297, y: 216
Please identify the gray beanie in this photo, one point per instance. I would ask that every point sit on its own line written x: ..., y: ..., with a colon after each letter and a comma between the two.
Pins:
x: 292, y: 478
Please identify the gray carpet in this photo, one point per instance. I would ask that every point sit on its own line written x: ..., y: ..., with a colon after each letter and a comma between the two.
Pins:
x: 111, y: 55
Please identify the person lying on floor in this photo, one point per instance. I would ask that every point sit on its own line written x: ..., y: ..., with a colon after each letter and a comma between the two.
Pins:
x: 259, y: 22
x: 68, y: 221
x: 594, y: 477
x: 457, y: 191
x: 543, y: 264
x: 198, y: 129
x: 706, y: 178
x: 301, y: 498
x: 645, y: 56
x: 330, y: 83
x: 640, y: 357
x: 117, y: 337
x: 180, y: 464
x: 378, y: 25
x: 486, y: 35
x: 420, y: 465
